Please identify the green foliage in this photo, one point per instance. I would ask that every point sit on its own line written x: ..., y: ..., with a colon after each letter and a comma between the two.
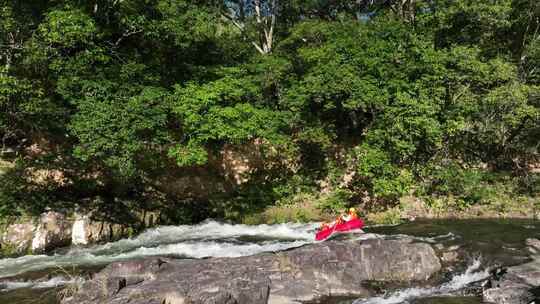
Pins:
x: 378, y: 175
x: 334, y: 202
x: 119, y: 129
x: 299, y: 212
x: 469, y: 22
x: 458, y: 187
x: 185, y: 22
x: 24, y: 107
x: 67, y: 29
x: 507, y: 117
x: 392, y: 216
x: 356, y: 98
x: 222, y: 111
x: 20, y: 196
x: 452, y: 179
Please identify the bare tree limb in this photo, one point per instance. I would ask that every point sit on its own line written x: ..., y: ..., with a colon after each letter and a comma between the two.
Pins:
x: 126, y: 35
x: 265, y: 25
x: 242, y: 27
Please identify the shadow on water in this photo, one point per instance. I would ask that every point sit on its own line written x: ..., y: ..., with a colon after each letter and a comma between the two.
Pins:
x: 448, y: 300
x: 30, y: 296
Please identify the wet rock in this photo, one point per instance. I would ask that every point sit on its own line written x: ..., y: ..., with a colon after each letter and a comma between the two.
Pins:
x: 533, y: 243
x: 528, y: 273
x: 509, y: 292
x: 454, y: 248
x: 302, y: 274
x: 450, y: 256
x: 533, y: 246
x: 514, y: 285
x: 87, y: 231
x: 53, y: 230
x: 80, y: 233
x: 17, y: 238
x: 439, y: 246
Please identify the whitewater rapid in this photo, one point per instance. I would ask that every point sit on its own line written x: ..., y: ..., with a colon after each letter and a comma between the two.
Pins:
x: 208, y: 239
x: 473, y: 273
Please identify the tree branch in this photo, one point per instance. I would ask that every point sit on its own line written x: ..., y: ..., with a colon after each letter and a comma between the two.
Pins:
x: 126, y: 35
x: 241, y: 27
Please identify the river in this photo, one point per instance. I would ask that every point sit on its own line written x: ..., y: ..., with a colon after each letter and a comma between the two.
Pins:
x: 37, y: 278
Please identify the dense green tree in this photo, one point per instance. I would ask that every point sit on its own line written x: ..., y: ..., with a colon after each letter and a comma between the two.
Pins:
x: 113, y: 92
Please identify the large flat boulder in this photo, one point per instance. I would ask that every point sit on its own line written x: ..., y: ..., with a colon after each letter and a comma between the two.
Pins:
x: 307, y: 273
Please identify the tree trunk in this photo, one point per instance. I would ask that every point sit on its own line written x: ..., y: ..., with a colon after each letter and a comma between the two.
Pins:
x: 265, y: 24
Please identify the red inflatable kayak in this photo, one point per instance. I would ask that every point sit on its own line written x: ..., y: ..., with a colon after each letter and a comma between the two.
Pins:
x: 336, y: 228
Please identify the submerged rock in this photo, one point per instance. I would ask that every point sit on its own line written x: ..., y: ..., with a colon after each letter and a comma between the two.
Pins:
x: 302, y: 274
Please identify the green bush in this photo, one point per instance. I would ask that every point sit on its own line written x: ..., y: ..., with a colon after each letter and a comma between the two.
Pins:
x: 334, y: 202
x: 301, y: 211
x: 377, y: 174
x: 452, y: 186
x: 391, y: 216
x: 19, y: 196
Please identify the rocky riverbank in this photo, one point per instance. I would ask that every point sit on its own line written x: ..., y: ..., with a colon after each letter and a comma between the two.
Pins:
x: 517, y: 284
x: 493, y: 260
x: 52, y: 230
x: 303, y: 274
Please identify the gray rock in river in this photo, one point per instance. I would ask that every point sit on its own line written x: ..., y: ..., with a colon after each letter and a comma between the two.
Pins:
x: 516, y: 284
x: 508, y: 292
x: 51, y: 230
x: 310, y: 272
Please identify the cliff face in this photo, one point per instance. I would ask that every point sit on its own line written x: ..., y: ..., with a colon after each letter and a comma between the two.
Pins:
x: 303, y: 274
x: 226, y: 170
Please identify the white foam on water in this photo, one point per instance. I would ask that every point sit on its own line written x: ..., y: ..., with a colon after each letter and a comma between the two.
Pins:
x: 430, y: 239
x: 216, y: 230
x: 211, y: 249
x: 209, y: 230
x: 366, y: 236
x: 196, y: 241
x: 458, y: 282
x: 50, y: 283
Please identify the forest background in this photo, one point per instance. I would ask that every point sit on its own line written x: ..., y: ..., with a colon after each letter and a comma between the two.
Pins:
x: 269, y: 110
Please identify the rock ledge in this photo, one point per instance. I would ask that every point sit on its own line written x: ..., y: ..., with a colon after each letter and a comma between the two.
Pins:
x: 302, y: 274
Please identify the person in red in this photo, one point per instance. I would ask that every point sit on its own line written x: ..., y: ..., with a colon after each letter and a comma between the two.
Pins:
x: 324, y: 225
x: 350, y: 215
x: 344, y: 223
